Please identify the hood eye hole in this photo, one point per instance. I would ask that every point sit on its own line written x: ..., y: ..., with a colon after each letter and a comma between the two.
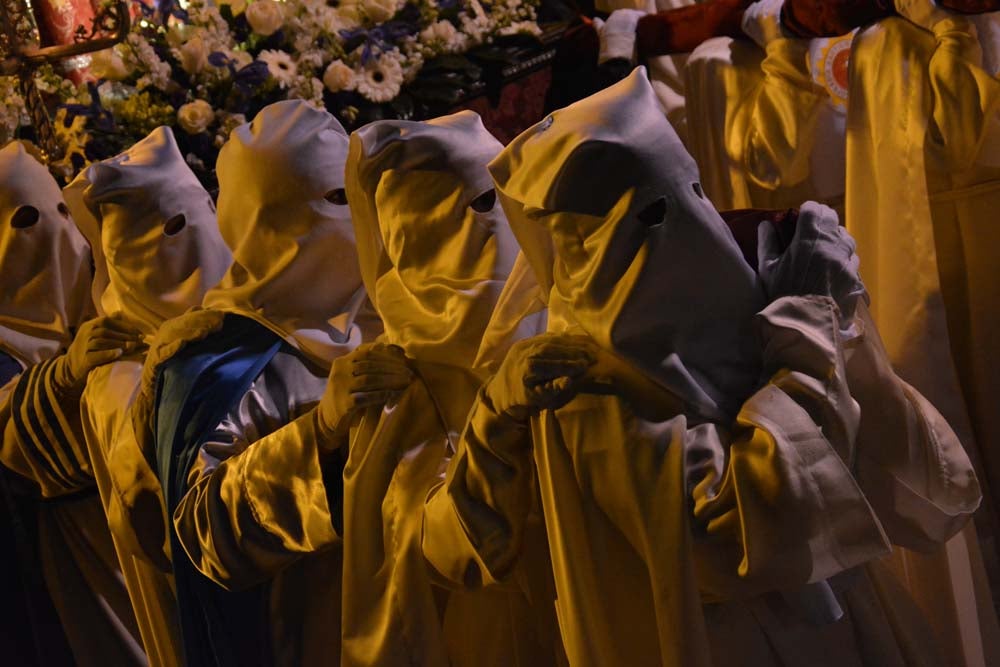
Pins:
x: 485, y: 202
x: 697, y: 190
x: 338, y: 197
x: 654, y: 214
x: 63, y: 210
x: 24, y: 217
x: 174, y: 225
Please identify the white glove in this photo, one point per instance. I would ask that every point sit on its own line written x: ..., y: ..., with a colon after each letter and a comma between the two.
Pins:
x: 617, y: 35
x: 540, y: 373
x: 99, y: 341
x: 923, y: 13
x: 819, y: 261
x: 371, y: 375
x: 762, y: 22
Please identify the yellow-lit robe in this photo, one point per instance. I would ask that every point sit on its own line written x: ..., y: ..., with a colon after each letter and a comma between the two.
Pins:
x: 923, y: 184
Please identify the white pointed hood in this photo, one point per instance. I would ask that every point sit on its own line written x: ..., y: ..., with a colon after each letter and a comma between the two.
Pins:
x: 283, y: 214
x: 152, y: 228
x: 434, y: 244
x: 44, y: 262
x: 607, y: 205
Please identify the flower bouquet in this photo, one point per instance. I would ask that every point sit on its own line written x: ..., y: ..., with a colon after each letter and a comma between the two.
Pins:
x: 204, y: 67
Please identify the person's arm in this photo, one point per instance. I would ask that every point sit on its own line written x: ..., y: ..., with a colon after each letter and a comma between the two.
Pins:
x: 474, y: 521
x: 774, y: 493
x: 909, y: 463
x: 262, y: 509
x: 43, y: 438
x: 277, y: 494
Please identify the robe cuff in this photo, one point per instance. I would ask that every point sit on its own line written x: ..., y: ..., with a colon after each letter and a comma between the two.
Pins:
x: 48, y: 433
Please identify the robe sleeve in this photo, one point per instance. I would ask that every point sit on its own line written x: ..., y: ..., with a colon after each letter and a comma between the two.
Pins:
x: 910, y: 463
x: 773, y: 135
x: 262, y: 509
x: 966, y: 98
x: 775, y: 501
x: 474, y: 522
x: 43, y: 437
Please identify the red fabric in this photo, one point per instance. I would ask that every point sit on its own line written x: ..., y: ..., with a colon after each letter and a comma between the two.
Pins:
x: 971, y: 6
x: 830, y: 18
x: 522, y: 104
x: 743, y: 223
x: 681, y: 30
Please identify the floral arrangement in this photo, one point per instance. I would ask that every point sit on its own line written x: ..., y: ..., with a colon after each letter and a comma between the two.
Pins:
x: 204, y: 67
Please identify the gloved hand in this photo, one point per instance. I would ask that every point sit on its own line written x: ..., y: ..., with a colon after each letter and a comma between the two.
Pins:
x: 373, y: 374
x: 98, y: 341
x: 617, y: 35
x: 923, y: 13
x: 820, y: 261
x: 762, y: 22
x: 540, y: 373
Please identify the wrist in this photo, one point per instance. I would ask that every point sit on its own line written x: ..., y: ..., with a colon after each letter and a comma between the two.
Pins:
x: 514, y: 413
x: 62, y: 377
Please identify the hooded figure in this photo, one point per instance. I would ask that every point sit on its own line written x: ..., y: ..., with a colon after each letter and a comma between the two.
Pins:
x: 157, y: 250
x: 435, y: 252
x: 673, y: 518
x: 46, y: 350
x: 44, y: 302
x: 924, y: 232
x: 225, y: 411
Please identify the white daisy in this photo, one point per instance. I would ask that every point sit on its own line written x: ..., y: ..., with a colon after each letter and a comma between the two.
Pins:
x: 280, y: 66
x: 380, y: 80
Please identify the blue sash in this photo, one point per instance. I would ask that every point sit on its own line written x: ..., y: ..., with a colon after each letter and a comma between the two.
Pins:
x: 195, y: 390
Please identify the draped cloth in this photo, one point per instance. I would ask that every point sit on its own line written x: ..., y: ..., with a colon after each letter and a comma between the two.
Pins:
x: 921, y: 238
x: 776, y: 137
x: 435, y: 252
x: 287, y: 229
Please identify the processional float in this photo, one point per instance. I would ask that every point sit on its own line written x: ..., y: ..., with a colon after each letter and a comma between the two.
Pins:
x: 22, y: 50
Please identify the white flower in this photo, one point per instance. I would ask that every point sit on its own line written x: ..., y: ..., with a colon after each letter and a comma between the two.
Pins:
x: 442, y: 31
x: 379, y: 11
x: 311, y: 58
x: 265, y: 17
x: 195, y: 117
x: 331, y: 21
x: 193, y: 55
x: 279, y: 65
x: 528, y: 27
x: 309, y: 89
x: 108, y: 64
x: 380, y: 80
x: 338, y: 76
x: 158, y: 73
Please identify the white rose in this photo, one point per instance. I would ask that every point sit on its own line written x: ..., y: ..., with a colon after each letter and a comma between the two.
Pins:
x: 379, y: 11
x: 108, y: 64
x: 194, y: 55
x: 338, y: 76
x: 195, y: 117
x: 265, y: 17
